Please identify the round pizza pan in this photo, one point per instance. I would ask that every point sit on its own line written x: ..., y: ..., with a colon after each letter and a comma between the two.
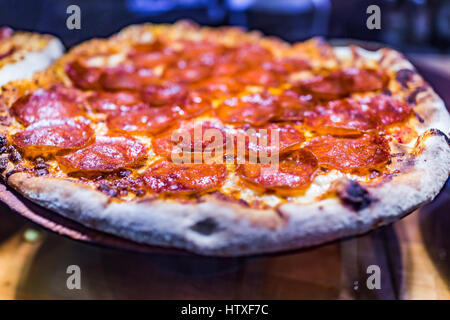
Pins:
x: 63, y: 226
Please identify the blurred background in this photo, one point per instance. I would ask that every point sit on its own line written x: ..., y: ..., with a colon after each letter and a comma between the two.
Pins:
x: 409, y: 25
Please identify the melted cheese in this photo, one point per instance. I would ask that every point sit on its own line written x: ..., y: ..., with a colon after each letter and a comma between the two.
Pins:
x: 234, y: 186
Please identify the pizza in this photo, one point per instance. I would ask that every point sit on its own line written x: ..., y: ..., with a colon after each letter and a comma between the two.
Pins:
x: 24, y: 53
x: 225, y: 142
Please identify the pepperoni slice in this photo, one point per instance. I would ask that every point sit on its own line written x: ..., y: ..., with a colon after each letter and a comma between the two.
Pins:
x: 256, y: 109
x: 184, y: 72
x: 126, y: 78
x: 389, y: 109
x: 226, y: 68
x: 343, y: 117
x: 294, y: 171
x: 258, y: 76
x: 349, y: 155
x: 250, y: 54
x: 103, y: 101
x: 160, y: 94
x: 150, y: 55
x: 341, y: 83
x: 169, y: 177
x: 190, y: 138
x: 142, y: 119
x: 55, y: 103
x: 286, y: 65
x: 294, y: 107
x: 360, y: 80
x: 82, y: 76
x: 49, y: 136
x: 148, y: 60
x: 217, y: 86
x: 107, y: 153
x: 244, y: 56
x: 194, y: 105
x: 270, y: 138
x: 328, y: 88
x: 204, y: 52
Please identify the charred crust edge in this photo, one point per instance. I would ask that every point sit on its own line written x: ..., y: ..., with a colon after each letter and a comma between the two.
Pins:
x: 353, y: 195
x: 404, y: 76
x: 437, y: 132
x: 412, y: 97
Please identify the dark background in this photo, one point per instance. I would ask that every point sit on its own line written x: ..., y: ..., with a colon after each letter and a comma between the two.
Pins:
x: 410, y: 25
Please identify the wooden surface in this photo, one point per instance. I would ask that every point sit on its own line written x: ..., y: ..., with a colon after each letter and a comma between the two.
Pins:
x: 413, y: 255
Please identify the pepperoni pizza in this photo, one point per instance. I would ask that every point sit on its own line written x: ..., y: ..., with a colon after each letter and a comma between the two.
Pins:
x: 360, y: 139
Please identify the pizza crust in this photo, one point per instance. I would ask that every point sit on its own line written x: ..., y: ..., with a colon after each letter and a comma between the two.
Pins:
x: 216, y: 227
x: 32, y: 61
x: 221, y: 228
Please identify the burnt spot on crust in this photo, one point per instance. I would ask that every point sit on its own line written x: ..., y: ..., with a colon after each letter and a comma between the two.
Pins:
x: 412, y: 97
x: 41, y: 172
x: 140, y: 192
x: 398, y: 154
x: 223, y: 197
x: 124, y: 173
x: 404, y: 76
x: 3, y: 144
x: 430, y: 133
x: 243, y: 203
x: 14, y: 155
x: 114, y: 184
x: 437, y: 132
x: 418, y: 117
x: 3, y: 141
x: 41, y: 168
x: 408, y: 163
x: 353, y: 195
x: 3, y: 164
x: 410, y: 160
x: 282, y: 215
x: 206, y: 226
x: 103, y: 187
